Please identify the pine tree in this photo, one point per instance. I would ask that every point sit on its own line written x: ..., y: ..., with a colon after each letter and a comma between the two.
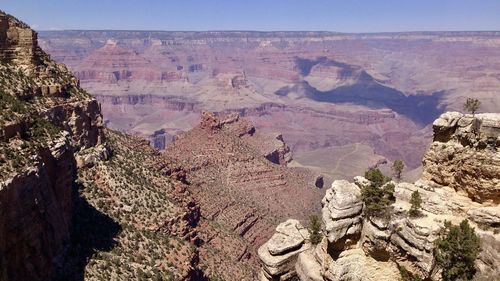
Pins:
x: 314, y: 229
x: 378, y: 195
x: 416, y: 204
x: 456, y: 251
x: 398, y: 167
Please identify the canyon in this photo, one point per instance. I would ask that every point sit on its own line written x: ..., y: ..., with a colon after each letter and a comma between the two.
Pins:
x: 80, y: 199
x: 325, y: 92
x: 459, y: 182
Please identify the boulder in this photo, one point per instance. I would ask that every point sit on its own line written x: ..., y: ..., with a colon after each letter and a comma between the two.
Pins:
x: 342, y: 207
x: 278, y: 255
x: 288, y: 237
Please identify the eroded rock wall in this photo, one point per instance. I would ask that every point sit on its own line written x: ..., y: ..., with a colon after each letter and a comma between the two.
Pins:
x: 460, y: 182
x: 35, y: 214
x: 465, y: 155
x: 45, y: 119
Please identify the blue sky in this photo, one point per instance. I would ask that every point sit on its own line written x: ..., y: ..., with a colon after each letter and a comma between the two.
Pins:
x: 329, y: 15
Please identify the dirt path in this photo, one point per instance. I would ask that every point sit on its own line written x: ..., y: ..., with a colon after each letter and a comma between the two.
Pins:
x: 343, y: 157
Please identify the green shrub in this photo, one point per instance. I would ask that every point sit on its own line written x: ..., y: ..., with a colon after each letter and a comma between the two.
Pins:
x: 314, y: 229
x: 456, y: 251
x: 9, y: 101
x: 416, y: 204
x: 42, y: 128
x: 378, y: 195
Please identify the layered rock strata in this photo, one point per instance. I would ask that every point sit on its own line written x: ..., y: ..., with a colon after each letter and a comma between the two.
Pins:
x: 45, y: 119
x: 357, y: 247
x: 241, y: 193
x: 464, y: 155
x: 280, y: 253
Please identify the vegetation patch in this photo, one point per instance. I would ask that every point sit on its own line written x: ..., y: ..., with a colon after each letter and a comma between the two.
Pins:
x: 456, y: 251
x: 378, y: 196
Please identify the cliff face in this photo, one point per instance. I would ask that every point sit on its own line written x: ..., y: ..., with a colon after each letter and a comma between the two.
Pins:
x: 18, y: 43
x: 322, y: 91
x: 36, y: 212
x: 45, y: 119
x: 464, y: 155
x: 460, y: 182
x: 74, y: 199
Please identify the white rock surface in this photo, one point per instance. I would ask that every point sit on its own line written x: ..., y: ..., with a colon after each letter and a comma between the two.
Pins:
x: 278, y: 255
x: 342, y: 207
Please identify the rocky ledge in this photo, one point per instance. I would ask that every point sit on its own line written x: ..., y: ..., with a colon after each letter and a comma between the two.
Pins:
x: 45, y: 119
x: 464, y: 155
x: 460, y: 182
x: 280, y: 253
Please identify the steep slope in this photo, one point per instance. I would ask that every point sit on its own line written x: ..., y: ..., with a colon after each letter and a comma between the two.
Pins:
x: 132, y: 221
x: 243, y: 188
x: 76, y: 202
x: 460, y: 181
x: 45, y: 118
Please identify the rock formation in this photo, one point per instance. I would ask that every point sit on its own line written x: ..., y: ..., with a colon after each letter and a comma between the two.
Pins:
x: 76, y: 201
x: 464, y: 155
x: 46, y: 118
x: 460, y: 182
x: 279, y: 253
x: 341, y: 211
x: 240, y: 192
x: 18, y: 43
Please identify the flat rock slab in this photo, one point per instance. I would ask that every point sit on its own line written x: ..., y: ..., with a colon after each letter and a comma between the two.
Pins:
x: 288, y: 237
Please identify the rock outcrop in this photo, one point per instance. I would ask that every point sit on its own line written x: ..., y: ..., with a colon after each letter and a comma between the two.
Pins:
x: 465, y: 155
x: 241, y: 194
x: 279, y: 254
x: 358, y: 247
x: 342, y: 207
x: 18, y: 43
x: 45, y: 119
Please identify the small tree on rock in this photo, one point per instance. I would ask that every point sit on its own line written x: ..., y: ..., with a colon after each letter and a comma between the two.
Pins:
x: 416, y: 203
x: 378, y: 195
x: 398, y: 167
x: 456, y: 251
x: 375, y: 176
x: 314, y: 229
x: 472, y: 105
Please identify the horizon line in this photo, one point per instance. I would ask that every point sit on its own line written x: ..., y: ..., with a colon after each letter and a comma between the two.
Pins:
x: 268, y: 31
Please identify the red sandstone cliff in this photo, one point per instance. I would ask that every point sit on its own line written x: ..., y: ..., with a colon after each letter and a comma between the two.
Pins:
x: 241, y: 194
